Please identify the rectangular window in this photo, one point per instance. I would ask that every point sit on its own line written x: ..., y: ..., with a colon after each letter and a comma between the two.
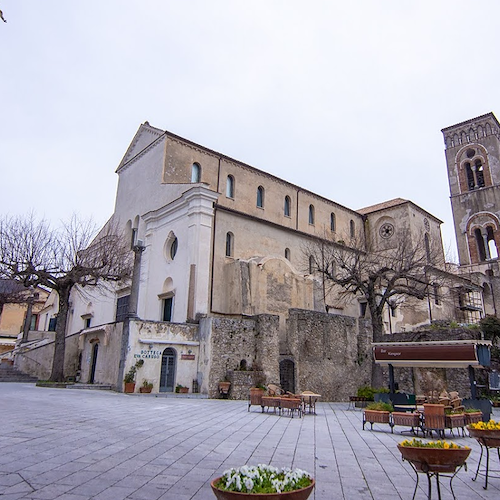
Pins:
x: 52, y: 324
x: 34, y: 322
x: 362, y: 308
x: 87, y: 322
x: 122, y: 308
x: 167, y: 309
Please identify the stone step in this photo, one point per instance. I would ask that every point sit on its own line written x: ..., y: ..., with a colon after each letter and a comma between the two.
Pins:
x: 95, y: 387
x: 10, y: 374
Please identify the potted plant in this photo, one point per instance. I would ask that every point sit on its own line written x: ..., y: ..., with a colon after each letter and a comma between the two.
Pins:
x: 147, y: 386
x: 434, y: 456
x: 181, y: 389
x: 263, y: 482
x: 377, y: 413
x: 224, y: 387
x: 129, y: 379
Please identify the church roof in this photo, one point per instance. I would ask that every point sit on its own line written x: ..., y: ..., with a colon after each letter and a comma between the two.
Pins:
x: 381, y: 206
x: 394, y: 203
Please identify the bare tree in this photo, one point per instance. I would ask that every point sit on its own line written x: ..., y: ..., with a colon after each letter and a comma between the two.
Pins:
x: 11, y: 292
x: 383, y: 278
x: 33, y: 253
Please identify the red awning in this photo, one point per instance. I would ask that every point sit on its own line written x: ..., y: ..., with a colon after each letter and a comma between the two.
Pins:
x: 451, y: 354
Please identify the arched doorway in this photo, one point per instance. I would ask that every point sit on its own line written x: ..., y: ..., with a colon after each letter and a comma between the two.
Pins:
x: 93, y: 363
x: 167, y: 376
x: 287, y: 375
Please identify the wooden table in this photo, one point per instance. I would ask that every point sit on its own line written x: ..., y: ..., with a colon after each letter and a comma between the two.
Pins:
x: 309, y: 400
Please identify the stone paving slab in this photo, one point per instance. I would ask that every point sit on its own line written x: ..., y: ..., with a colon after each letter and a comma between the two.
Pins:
x: 82, y: 445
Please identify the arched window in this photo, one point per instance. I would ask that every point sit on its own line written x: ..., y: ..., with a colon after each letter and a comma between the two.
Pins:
x: 288, y: 203
x: 260, y: 197
x: 311, y: 214
x: 352, y: 228
x: 470, y: 176
x: 173, y: 248
x: 311, y: 264
x: 230, y: 186
x: 287, y: 253
x: 332, y: 222
x: 195, y: 173
x: 229, y: 244
x: 479, y: 173
x: 492, y: 246
x: 480, y: 245
x: 427, y: 248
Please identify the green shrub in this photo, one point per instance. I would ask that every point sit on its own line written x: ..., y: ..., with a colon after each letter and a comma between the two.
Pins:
x: 380, y: 406
x: 366, y: 392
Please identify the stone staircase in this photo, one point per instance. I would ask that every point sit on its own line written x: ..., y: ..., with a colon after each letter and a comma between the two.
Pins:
x: 10, y: 374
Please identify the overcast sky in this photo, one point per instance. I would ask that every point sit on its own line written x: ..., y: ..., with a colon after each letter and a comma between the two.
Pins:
x: 344, y: 98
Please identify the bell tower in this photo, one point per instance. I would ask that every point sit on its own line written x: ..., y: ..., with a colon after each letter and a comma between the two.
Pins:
x: 473, y: 162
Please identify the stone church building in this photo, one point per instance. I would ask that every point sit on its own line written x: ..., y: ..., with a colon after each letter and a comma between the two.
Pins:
x: 223, y: 288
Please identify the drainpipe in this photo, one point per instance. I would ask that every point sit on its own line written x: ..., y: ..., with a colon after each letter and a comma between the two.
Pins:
x: 132, y: 311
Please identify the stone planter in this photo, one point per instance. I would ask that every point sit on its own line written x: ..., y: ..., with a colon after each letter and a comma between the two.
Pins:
x: 301, y: 494
x: 129, y: 387
x: 182, y: 390
x: 145, y: 390
x: 434, y: 459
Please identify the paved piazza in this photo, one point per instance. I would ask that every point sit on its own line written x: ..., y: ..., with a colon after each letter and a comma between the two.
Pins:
x: 80, y: 444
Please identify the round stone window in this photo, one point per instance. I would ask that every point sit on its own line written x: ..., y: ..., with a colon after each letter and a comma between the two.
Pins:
x: 470, y: 153
x: 386, y: 230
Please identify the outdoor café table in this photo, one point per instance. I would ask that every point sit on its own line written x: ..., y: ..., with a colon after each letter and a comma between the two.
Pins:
x: 309, y: 401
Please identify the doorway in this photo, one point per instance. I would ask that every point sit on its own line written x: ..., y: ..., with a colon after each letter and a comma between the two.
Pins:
x: 287, y: 375
x: 167, y: 376
x: 95, y: 349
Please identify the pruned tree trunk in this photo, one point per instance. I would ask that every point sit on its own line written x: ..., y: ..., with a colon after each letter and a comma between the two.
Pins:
x: 57, y: 374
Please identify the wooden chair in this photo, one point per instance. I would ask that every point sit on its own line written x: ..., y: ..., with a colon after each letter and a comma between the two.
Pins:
x: 434, y: 420
x: 456, y: 401
x: 274, y: 390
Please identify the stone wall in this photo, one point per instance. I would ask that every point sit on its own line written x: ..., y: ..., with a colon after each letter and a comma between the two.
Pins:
x: 332, y: 353
x: 253, y: 340
x: 37, y: 360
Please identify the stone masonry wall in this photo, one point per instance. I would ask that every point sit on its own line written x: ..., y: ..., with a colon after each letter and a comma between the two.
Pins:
x: 254, y: 340
x: 332, y: 355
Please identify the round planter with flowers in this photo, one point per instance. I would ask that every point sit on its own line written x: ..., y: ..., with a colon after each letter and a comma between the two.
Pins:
x: 434, y: 458
x: 487, y: 434
x: 263, y: 482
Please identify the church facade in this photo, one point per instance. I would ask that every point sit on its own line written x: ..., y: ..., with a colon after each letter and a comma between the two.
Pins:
x: 222, y: 285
